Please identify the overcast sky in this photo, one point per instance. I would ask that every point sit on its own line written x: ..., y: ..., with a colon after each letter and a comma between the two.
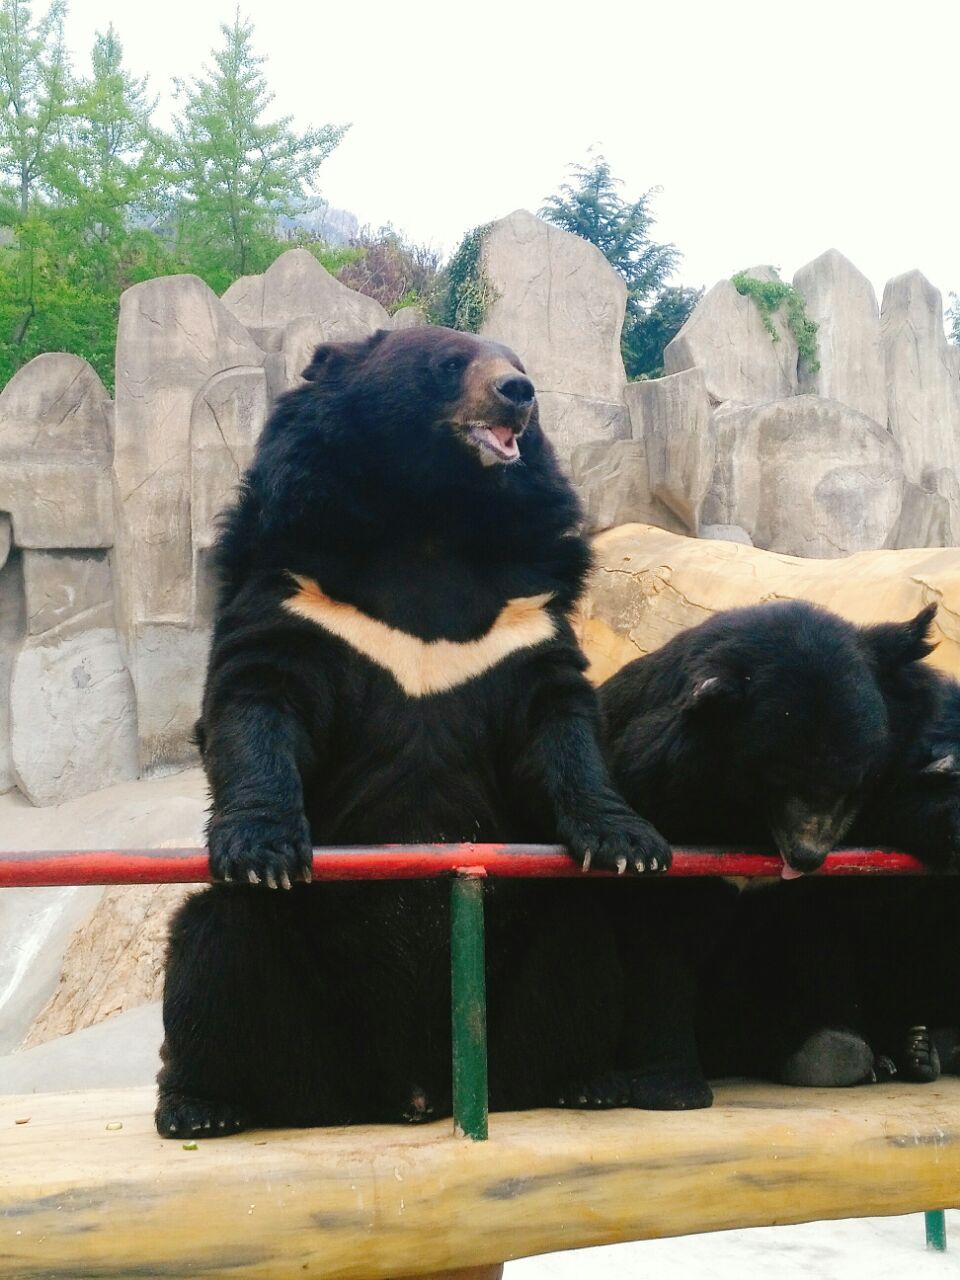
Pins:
x: 775, y: 130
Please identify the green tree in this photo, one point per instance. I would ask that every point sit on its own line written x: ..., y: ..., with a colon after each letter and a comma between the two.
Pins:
x: 592, y: 206
x: 647, y: 332
x: 84, y: 238
x: 107, y: 175
x: 34, y: 93
x: 953, y: 315
x: 237, y: 172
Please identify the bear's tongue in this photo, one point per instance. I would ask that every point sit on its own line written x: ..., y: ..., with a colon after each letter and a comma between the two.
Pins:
x: 789, y: 873
x: 503, y: 440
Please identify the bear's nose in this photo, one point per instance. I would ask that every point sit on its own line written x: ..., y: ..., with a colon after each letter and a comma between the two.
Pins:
x: 516, y: 390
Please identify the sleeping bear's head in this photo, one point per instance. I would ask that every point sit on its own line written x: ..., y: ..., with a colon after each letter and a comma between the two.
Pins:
x: 803, y: 709
x: 430, y: 393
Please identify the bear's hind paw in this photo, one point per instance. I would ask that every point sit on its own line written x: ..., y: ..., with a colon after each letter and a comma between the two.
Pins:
x: 180, y: 1116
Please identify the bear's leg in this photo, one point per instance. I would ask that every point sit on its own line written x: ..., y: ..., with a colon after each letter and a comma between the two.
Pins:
x: 658, y: 1053
x: 247, y: 1038
x: 555, y: 1002
x: 665, y: 932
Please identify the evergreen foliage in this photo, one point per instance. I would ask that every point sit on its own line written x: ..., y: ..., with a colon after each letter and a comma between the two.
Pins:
x: 592, y: 206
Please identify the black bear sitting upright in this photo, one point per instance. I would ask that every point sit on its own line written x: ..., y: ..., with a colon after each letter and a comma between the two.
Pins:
x: 393, y: 661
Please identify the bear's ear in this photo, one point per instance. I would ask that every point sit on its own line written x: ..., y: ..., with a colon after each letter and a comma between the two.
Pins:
x: 330, y: 359
x: 894, y: 644
x: 719, y: 689
x: 943, y: 767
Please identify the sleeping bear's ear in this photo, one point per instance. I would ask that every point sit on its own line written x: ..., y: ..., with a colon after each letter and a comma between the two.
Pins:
x: 943, y: 767
x: 331, y: 358
x: 894, y: 644
x: 722, y: 688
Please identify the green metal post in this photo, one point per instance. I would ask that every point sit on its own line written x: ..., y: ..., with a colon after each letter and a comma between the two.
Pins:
x: 936, y: 1228
x: 469, y: 1007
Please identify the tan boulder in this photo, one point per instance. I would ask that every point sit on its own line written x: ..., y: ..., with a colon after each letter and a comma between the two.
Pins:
x: 650, y: 584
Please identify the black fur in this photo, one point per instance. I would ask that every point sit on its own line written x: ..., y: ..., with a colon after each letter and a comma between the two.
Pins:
x: 836, y: 981
x: 783, y: 724
x: 329, y: 1004
x: 916, y: 807
x: 773, y: 723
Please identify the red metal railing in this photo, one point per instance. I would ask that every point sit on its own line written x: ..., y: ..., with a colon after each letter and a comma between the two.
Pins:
x: 406, y: 862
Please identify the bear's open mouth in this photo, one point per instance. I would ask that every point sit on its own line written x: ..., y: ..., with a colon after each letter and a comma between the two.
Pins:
x: 500, y: 441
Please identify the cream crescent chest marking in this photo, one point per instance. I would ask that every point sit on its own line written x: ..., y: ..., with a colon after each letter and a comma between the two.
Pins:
x: 421, y: 667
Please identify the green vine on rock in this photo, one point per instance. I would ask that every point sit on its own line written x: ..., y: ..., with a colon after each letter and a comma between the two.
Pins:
x: 467, y: 293
x: 769, y: 296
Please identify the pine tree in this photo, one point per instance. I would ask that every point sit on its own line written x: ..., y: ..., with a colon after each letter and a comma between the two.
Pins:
x: 237, y: 173
x: 591, y: 206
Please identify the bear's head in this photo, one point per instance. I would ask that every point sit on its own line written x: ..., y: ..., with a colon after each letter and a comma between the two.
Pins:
x: 803, y: 708
x: 431, y: 394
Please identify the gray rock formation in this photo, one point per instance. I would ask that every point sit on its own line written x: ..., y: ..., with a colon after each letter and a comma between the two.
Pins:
x: 408, y: 318
x: 929, y: 516
x: 726, y: 533
x: 726, y: 338
x: 673, y: 418
x: 613, y: 481
x: 171, y: 662
x: 923, y: 406
x: 13, y: 628
x: 67, y: 586
x: 297, y: 285
x: 559, y: 304
x: 70, y: 957
x: 55, y: 454
x: 72, y: 714
x: 842, y: 303
x: 174, y: 338
x: 34, y: 927
x: 118, y: 1053
x: 806, y: 476
x: 108, y: 515
x: 570, y: 420
x: 228, y: 415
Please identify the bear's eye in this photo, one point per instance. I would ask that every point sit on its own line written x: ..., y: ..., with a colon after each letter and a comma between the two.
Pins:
x: 453, y: 364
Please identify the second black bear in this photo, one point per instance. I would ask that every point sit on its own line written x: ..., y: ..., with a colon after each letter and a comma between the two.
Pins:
x: 771, y: 723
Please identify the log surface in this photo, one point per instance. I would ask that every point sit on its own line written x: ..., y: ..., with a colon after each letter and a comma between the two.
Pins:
x: 81, y: 1200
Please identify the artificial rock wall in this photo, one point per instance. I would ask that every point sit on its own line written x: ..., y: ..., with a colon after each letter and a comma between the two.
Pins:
x: 107, y: 509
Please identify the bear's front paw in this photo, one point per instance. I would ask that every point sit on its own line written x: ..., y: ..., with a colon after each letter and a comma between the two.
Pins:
x: 265, y: 850
x: 612, y: 837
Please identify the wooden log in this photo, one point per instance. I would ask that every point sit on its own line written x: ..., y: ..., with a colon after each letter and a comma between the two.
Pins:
x: 81, y: 1197
x: 461, y: 1273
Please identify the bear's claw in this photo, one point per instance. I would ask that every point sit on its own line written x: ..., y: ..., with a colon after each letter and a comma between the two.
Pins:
x: 273, y: 852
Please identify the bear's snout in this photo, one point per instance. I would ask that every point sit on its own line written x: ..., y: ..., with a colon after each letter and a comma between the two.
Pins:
x: 516, y: 391
x: 805, y: 835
